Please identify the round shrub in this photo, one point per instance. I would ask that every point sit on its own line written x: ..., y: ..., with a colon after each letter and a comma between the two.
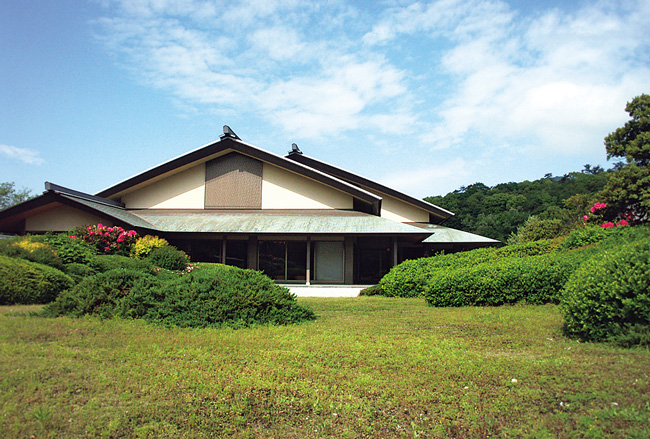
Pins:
x: 100, y: 295
x: 146, y: 244
x: 24, y: 282
x: 213, y: 296
x: 535, y: 229
x: 169, y: 258
x: 374, y: 290
x: 103, y: 263
x: 609, y: 298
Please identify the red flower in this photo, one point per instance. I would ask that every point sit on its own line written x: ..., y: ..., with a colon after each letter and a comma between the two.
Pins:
x: 622, y: 223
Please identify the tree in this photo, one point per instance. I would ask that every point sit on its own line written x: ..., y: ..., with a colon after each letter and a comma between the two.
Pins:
x: 628, y: 189
x: 10, y: 196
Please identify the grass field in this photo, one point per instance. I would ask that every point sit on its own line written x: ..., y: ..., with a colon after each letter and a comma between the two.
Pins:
x: 368, y: 367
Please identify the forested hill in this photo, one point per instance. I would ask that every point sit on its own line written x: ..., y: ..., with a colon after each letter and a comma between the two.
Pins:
x: 497, y: 211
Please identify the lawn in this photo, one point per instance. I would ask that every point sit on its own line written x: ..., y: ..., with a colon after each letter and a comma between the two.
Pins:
x: 368, y: 367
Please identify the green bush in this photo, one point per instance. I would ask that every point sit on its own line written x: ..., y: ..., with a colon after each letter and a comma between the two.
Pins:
x: 374, y: 290
x: 146, y: 244
x: 78, y: 272
x: 169, y: 258
x: 532, y: 279
x: 69, y: 250
x: 608, y: 298
x: 585, y: 235
x: 409, y: 278
x: 212, y: 296
x: 219, y: 296
x: 25, y: 282
x: 30, y: 248
x: 101, y: 295
x: 535, y: 229
x: 103, y: 263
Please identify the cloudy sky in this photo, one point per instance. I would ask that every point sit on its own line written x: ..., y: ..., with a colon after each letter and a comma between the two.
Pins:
x: 424, y: 96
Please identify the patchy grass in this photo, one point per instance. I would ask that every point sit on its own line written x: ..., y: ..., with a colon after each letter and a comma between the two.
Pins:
x: 368, y: 367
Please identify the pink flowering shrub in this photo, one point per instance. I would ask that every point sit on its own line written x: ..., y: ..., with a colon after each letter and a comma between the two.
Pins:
x: 107, y: 240
x: 598, y: 214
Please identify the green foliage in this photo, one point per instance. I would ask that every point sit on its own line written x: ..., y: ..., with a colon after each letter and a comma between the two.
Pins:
x: 27, y: 282
x: 218, y: 296
x: 9, y: 196
x: 101, y: 295
x: 532, y: 279
x: 628, y: 189
x: 30, y: 248
x: 498, y: 211
x: 78, y: 272
x: 535, y: 229
x: 103, y: 263
x: 608, y: 297
x: 409, y: 279
x: 214, y: 296
x: 146, y: 244
x: 68, y: 249
x: 586, y: 235
x: 169, y: 258
x: 374, y: 290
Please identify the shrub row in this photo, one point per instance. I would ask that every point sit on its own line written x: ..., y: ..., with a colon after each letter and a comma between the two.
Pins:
x: 410, y: 278
x: 214, y: 296
x: 534, y: 279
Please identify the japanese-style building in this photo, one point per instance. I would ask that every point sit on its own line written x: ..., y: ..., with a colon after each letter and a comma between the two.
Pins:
x: 296, y: 218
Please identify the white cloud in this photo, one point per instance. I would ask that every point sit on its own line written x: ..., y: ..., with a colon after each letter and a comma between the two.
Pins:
x: 25, y: 155
x: 448, y: 73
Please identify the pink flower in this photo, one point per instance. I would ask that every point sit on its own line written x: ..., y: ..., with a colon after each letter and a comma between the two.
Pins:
x: 607, y: 225
x: 72, y: 236
x: 585, y: 218
x: 120, y: 238
x: 100, y: 226
x: 622, y: 223
x: 107, y: 249
x: 91, y: 233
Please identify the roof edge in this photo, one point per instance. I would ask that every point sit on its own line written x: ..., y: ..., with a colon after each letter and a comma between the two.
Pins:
x: 439, y: 212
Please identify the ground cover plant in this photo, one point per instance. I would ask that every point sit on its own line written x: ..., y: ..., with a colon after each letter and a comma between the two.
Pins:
x: 368, y: 367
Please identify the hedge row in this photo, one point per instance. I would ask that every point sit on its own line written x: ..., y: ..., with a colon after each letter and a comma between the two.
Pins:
x: 410, y: 278
x: 533, y: 279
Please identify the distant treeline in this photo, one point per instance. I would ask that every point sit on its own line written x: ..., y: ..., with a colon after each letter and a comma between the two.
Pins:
x: 497, y: 212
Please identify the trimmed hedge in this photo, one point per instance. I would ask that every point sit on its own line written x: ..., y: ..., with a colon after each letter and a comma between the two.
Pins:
x: 25, y: 282
x: 409, y: 279
x: 78, y: 272
x: 533, y: 279
x: 169, y: 258
x: 213, y: 296
x: 608, y: 298
x: 104, y: 263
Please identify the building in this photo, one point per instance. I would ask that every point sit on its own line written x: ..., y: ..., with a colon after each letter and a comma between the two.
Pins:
x: 296, y: 218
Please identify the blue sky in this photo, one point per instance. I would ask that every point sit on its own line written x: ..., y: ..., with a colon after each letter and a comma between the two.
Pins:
x: 421, y: 96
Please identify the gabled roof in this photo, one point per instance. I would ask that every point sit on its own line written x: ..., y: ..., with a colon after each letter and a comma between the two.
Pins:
x: 228, y: 143
x: 438, y: 213
x: 56, y: 195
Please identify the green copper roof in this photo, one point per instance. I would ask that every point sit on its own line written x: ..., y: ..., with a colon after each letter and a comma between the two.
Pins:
x: 321, y: 222
x: 441, y: 234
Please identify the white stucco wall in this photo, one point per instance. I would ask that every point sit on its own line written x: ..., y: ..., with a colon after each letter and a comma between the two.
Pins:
x: 184, y: 190
x: 285, y: 190
x: 61, y: 219
x: 397, y: 210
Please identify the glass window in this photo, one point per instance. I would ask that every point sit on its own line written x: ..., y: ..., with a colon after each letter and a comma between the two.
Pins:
x: 237, y: 253
x: 272, y: 258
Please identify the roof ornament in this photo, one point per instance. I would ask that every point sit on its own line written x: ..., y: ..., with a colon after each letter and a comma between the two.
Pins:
x: 295, y: 149
x: 228, y: 132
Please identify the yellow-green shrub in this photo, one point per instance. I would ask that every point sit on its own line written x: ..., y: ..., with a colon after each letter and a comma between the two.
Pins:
x: 146, y: 244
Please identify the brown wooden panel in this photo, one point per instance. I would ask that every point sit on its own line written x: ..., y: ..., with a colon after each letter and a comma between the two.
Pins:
x: 233, y: 181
